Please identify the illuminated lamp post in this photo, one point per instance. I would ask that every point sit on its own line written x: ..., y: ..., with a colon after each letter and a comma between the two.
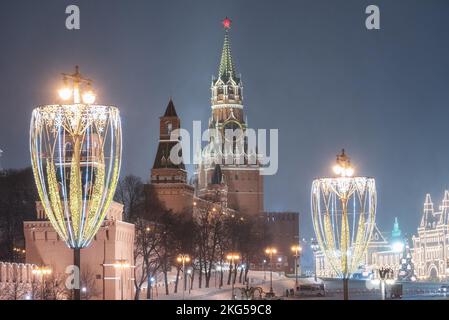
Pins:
x: 42, y: 271
x: 315, y: 247
x: 232, y: 258
x: 343, y: 215
x: 270, y: 251
x: 296, y: 253
x: 183, y: 258
x: 76, y: 148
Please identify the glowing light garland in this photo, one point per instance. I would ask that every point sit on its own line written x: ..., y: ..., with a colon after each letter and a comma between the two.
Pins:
x: 343, y: 214
x: 76, y: 156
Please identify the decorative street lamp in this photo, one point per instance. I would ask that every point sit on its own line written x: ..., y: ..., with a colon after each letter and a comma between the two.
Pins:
x: 297, y: 252
x: 232, y: 258
x: 42, y: 272
x: 189, y: 273
x: 76, y: 151
x: 270, y: 251
x: 183, y: 258
x: 343, y: 214
x: 264, y: 269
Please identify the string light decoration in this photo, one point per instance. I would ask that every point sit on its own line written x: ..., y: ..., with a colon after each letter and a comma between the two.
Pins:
x: 343, y: 215
x: 76, y: 151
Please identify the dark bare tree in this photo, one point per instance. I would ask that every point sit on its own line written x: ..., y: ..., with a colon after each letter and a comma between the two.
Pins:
x: 130, y: 193
x: 17, y: 204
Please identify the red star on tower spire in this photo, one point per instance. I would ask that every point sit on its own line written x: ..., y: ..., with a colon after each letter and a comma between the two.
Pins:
x: 227, y: 23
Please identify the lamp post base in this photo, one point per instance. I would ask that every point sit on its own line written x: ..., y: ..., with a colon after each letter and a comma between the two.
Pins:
x: 77, y: 264
x: 345, y: 289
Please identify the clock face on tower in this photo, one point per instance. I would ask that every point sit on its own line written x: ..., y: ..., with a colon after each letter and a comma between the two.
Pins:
x: 232, y: 130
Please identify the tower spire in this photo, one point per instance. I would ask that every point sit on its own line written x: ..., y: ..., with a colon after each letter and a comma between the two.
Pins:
x: 227, y: 68
x: 428, y: 214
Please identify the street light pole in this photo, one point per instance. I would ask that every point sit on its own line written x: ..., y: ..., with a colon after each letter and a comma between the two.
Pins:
x: 314, y: 246
x: 42, y: 271
x: 264, y: 270
x: 183, y: 258
x: 297, y: 251
x: 189, y: 273
x: 232, y: 257
x: 270, y: 252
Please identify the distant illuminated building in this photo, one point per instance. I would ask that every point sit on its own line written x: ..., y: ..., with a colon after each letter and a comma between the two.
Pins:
x: 431, y: 245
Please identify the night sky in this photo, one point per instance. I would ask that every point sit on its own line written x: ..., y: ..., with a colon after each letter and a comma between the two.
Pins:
x: 310, y: 69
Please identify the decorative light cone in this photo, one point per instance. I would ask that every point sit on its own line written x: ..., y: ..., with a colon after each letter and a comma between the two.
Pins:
x: 343, y: 214
x: 76, y: 156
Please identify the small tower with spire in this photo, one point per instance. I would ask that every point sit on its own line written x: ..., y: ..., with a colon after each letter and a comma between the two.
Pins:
x: 396, y: 233
x: 444, y: 216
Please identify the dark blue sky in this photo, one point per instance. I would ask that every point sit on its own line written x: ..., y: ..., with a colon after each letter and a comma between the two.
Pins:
x: 310, y: 69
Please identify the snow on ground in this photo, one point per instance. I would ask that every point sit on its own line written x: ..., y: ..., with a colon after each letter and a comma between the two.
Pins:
x: 256, y: 279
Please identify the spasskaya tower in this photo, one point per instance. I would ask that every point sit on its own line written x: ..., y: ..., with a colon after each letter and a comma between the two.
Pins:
x: 238, y: 162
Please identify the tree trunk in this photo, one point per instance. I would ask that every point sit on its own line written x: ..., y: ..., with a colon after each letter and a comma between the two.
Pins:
x: 240, y: 275
x: 235, y: 273
x: 192, y: 279
x: 208, y: 273
x: 167, y: 292
x: 229, y: 274
x: 221, y: 278
x: 177, y: 280
x: 137, y: 293
x: 246, y: 273
x: 200, y: 275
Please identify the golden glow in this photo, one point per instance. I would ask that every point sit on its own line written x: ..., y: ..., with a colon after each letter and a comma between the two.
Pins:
x: 296, y: 249
x: 343, y: 167
x: 42, y: 271
x: 122, y: 264
x: 271, y: 250
x: 337, y: 169
x: 183, y: 258
x: 233, y: 256
x: 89, y: 97
x: 65, y: 93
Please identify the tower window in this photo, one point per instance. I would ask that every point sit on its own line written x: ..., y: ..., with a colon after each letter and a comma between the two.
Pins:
x: 169, y: 127
x: 236, y: 177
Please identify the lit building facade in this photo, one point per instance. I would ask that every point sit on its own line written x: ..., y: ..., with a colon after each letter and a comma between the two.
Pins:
x: 431, y: 245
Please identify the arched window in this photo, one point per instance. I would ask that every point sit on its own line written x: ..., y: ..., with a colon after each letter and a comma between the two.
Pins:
x: 169, y: 127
